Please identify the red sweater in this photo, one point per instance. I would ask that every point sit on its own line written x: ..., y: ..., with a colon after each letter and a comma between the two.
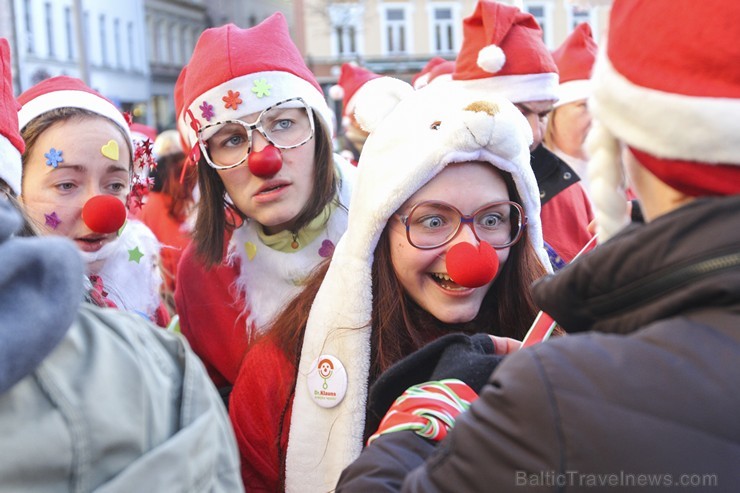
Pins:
x: 261, y: 394
x: 212, y: 316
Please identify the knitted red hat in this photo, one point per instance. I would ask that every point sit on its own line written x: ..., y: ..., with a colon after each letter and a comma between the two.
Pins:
x: 575, y: 58
x: 673, y: 94
x: 422, y: 78
x: 352, y: 78
x: 235, y: 72
x: 66, y: 92
x: 503, y: 52
x: 11, y: 143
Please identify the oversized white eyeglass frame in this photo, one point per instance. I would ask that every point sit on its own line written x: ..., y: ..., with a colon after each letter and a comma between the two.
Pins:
x: 256, y: 125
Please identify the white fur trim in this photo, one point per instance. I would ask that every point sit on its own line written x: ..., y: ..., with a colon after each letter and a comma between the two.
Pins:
x: 336, y: 92
x: 573, y: 90
x: 276, y: 277
x: 71, y: 99
x: 606, y: 182
x: 10, y: 165
x: 491, y: 58
x: 400, y: 157
x: 421, y: 81
x: 283, y: 85
x: 441, y: 78
x: 515, y: 88
x: 132, y: 286
x: 666, y: 125
x: 375, y: 99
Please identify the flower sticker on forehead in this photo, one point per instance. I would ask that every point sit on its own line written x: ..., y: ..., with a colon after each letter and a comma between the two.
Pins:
x: 261, y: 88
x: 53, y: 157
x: 110, y: 150
x: 206, y: 111
x: 232, y: 100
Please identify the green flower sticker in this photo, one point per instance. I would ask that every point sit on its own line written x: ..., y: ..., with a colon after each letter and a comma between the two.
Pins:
x: 261, y: 88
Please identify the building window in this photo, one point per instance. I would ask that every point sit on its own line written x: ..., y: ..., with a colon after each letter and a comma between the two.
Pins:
x: 175, y: 45
x: 346, y: 21
x: 69, y: 33
x: 542, y: 12
x: 131, y: 47
x: 49, y: 30
x: 161, y: 42
x: 444, y: 33
x: 117, y: 41
x: 28, y: 25
x: 103, y: 44
x: 396, y: 32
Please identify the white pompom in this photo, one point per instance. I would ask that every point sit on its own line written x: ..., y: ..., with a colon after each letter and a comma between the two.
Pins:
x: 336, y: 92
x: 376, y: 99
x: 491, y: 59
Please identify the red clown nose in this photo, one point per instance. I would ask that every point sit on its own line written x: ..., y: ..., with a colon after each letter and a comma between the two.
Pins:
x: 472, y: 267
x: 104, y: 214
x: 266, y: 162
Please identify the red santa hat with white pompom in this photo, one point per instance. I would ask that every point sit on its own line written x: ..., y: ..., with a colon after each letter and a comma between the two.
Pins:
x: 503, y: 52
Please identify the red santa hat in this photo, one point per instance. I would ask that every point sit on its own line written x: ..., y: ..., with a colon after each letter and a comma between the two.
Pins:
x: 11, y: 143
x: 67, y: 92
x: 141, y: 132
x: 672, y: 94
x: 503, y: 52
x: 575, y: 58
x: 442, y: 71
x: 422, y: 78
x: 352, y: 78
x: 235, y: 72
x: 179, y: 96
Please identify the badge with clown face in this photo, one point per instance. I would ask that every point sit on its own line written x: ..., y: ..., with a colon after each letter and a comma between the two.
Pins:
x: 327, y: 381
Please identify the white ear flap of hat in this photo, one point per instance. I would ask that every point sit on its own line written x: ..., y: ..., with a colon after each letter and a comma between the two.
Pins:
x: 377, y: 98
x: 491, y: 59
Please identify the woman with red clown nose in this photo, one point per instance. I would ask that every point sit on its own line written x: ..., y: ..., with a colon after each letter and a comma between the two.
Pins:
x: 77, y: 175
x: 274, y: 197
x: 443, y: 241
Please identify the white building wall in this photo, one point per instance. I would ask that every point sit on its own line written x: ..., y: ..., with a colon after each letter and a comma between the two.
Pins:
x: 47, y: 46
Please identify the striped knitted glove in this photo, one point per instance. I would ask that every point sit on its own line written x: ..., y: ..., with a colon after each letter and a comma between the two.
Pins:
x: 429, y: 409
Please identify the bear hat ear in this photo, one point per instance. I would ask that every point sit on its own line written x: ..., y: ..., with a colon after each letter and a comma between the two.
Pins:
x: 376, y: 99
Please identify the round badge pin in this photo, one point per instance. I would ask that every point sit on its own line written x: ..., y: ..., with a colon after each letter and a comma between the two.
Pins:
x: 327, y: 381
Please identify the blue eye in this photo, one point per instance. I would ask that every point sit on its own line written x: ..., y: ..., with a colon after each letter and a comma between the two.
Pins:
x: 432, y: 222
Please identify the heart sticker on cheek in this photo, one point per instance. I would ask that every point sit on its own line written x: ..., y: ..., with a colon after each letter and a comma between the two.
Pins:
x: 110, y: 150
x: 470, y: 266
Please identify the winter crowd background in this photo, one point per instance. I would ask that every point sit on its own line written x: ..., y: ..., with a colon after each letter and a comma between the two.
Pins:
x: 265, y: 299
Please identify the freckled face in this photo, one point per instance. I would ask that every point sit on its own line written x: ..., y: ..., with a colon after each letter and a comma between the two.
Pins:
x: 53, y: 197
x: 422, y: 273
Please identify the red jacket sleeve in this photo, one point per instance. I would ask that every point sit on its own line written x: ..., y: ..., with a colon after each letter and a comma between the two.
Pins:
x: 261, y: 399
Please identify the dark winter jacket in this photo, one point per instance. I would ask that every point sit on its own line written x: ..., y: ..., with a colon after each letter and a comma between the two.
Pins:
x: 643, y: 393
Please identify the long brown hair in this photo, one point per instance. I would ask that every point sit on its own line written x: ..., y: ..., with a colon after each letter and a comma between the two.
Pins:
x: 400, y: 326
x: 216, y: 214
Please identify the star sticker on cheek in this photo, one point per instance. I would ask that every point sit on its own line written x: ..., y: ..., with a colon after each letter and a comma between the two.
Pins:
x: 53, y: 157
x: 52, y: 220
x: 134, y: 255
